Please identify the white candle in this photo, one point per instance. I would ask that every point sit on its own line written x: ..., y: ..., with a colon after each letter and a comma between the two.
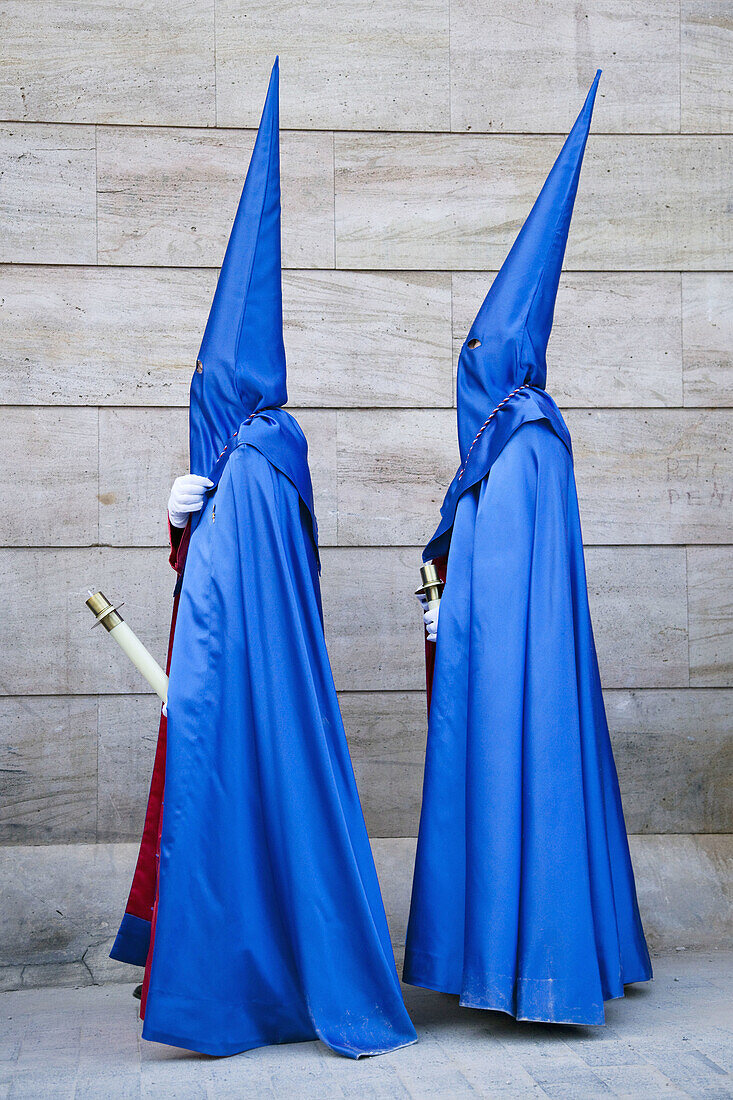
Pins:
x: 127, y: 640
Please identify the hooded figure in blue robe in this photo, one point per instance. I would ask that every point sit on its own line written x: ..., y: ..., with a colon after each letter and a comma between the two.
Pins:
x: 523, y: 897
x: 269, y: 925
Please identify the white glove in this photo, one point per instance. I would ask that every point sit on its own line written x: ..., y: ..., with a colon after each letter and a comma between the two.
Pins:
x: 430, y: 616
x: 431, y: 622
x: 164, y: 710
x: 187, y: 495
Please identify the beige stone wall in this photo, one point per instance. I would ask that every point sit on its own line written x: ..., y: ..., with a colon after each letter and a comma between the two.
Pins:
x: 415, y: 137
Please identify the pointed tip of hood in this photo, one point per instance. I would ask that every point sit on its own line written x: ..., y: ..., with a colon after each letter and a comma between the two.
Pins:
x: 507, y: 343
x: 241, y: 365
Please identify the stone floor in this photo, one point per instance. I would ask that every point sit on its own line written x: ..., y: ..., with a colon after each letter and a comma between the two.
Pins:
x: 673, y: 1037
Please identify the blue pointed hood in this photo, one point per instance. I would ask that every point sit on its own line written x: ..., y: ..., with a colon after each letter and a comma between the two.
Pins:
x: 502, y: 367
x: 506, y: 345
x: 241, y: 365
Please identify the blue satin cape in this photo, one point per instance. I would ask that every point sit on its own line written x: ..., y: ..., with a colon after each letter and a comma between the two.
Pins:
x: 270, y: 926
x: 523, y: 897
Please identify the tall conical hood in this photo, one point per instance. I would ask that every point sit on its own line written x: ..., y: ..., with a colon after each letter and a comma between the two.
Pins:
x: 508, y: 340
x: 241, y: 365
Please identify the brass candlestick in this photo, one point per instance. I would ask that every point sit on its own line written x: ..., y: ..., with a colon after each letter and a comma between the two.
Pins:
x: 108, y: 615
x: 432, y: 586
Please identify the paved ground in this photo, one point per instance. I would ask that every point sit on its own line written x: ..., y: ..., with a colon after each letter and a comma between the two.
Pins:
x: 671, y: 1038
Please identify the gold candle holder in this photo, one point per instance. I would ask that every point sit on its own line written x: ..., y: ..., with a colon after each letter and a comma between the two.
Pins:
x: 104, y: 612
x: 108, y: 615
x: 432, y: 586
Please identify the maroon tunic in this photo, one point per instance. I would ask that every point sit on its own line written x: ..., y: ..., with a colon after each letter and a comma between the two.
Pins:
x: 143, y: 891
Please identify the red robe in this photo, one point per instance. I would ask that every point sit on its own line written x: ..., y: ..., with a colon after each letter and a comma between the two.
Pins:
x: 135, y: 935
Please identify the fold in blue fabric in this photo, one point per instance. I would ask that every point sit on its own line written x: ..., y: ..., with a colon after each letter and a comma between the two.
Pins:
x: 270, y: 925
x: 132, y: 940
x: 523, y: 897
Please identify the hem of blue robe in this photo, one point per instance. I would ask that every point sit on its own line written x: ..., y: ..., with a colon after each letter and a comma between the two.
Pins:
x: 133, y: 941
x: 226, y: 1050
x: 220, y: 1050
x: 516, y: 998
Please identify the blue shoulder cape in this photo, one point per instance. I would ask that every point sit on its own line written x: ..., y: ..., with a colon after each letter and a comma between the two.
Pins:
x: 525, y: 405
x: 277, y: 435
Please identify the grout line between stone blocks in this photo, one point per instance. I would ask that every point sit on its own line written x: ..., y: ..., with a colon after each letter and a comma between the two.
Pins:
x: 687, y: 612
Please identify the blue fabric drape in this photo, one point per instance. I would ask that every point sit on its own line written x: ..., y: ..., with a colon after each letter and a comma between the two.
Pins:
x: 523, y: 897
x: 270, y: 925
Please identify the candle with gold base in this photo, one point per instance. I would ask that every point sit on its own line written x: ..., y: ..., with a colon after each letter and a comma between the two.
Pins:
x: 108, y: 615
x: 432, y: 585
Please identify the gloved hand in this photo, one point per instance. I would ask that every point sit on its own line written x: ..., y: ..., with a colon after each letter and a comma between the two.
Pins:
x: 187, y: 495
x: 430, y: 616
x: 164, y: 710
x: 431, y: 623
